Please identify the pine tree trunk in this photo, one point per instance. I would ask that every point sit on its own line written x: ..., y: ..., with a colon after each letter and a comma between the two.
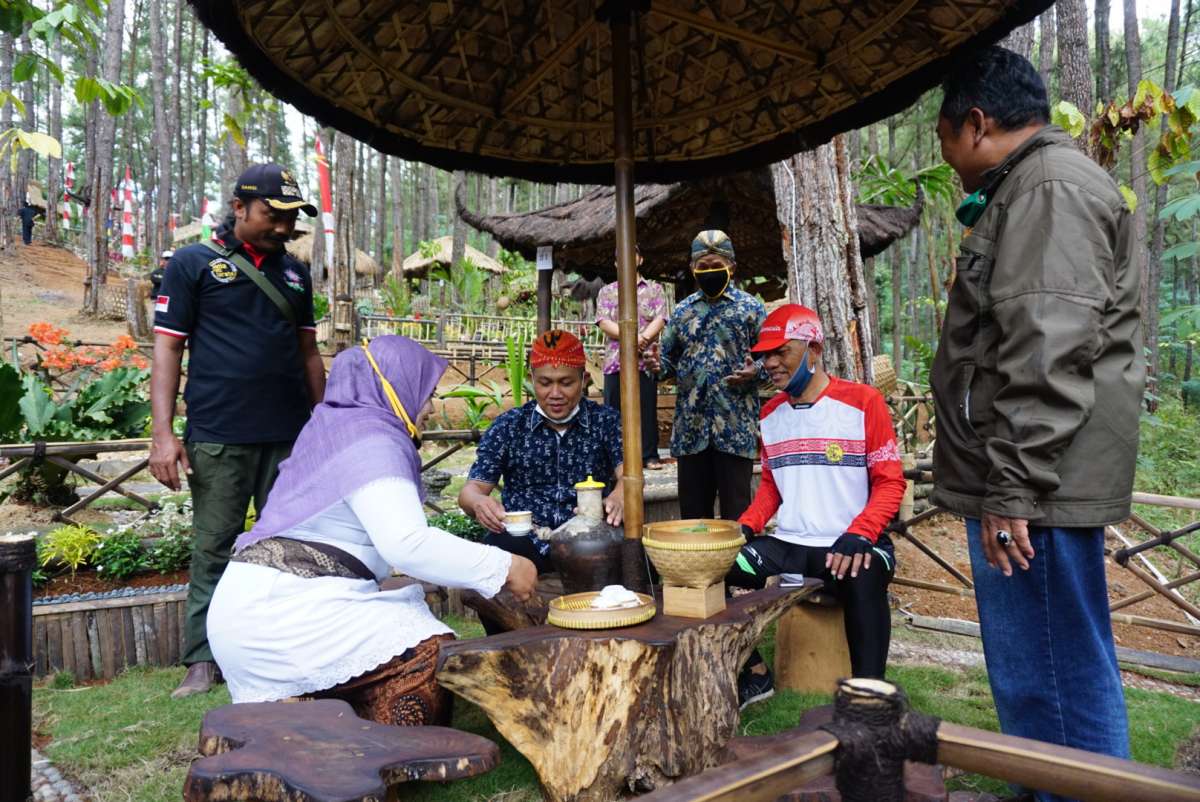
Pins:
x: 1074, y: 63
x: 1020, y: 41
x: 101, y: 168
x: 435, y: 228
x: 826, y: 274
x: 398, y: 247
x: 458, y: 242
x: 235, y: 160
x: 200, y: 182
x: 54, y: 182
x: 25, y: 156
x: 1137, y: 166
x: 158, y: 236
x: 8, y: 203
x: 1103, y: 53
x: 343, y: 264
x: 1160, y: 194
x: 1046, y: 49
x: 381, y: 176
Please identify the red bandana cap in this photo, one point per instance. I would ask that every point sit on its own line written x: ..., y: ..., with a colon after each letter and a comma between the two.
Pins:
x: 557, y: 349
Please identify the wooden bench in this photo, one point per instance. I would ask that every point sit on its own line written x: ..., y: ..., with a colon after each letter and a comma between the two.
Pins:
x: 811, y: 653
x: 320, y: 751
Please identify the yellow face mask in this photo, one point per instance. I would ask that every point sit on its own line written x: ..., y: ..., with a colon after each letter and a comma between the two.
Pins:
x: 393, y: 399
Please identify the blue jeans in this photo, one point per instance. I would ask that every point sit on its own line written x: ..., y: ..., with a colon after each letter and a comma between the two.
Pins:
x: 1047, y: 640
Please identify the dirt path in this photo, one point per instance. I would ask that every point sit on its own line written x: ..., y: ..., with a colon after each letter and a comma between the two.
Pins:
x: 947, y: 536
x: 42, y: 282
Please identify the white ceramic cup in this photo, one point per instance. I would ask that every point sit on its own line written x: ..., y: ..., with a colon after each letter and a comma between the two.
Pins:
x: 519, y: 522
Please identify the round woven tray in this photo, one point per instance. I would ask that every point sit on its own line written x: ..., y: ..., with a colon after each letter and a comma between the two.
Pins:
x: 575, y: 611
x: 693, y: 553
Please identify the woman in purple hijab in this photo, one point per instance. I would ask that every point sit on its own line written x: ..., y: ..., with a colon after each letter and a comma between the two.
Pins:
x: 299, y: 611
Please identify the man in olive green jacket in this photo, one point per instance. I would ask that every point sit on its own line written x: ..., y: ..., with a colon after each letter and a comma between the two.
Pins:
x: 1038, y: 379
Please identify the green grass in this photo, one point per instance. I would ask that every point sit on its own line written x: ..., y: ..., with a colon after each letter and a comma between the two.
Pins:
x: 127, y: 740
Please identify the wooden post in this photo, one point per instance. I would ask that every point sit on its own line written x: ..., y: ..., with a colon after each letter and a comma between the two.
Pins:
x: 545, y: 278
x: 635, y: 575
x: 17, y: 556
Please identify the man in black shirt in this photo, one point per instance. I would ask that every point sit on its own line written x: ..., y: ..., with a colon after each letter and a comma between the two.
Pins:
x: 243, y: 306
x: 27, y: 213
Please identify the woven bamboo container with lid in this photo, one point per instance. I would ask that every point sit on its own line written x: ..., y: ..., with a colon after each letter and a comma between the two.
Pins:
x: 693, y: 556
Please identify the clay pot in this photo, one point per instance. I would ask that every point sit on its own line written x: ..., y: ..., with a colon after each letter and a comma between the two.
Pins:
x: 587, y: 560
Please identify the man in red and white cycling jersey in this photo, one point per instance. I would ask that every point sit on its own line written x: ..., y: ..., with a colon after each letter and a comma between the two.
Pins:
x: 831, y: 474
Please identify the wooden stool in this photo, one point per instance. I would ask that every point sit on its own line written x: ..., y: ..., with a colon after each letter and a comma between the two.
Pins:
x: 811, y: 653
x: 320, y: 751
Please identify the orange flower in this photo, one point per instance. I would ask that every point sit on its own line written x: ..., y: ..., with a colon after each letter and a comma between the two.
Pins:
x: 124, y: 343
x: 58, y: 359
x: 109, y: 364
x: 47, y: 334
x: 140, y: 361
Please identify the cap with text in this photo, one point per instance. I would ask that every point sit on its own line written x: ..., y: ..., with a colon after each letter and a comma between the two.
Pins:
x: 275, y: 185
x: 789, y: 322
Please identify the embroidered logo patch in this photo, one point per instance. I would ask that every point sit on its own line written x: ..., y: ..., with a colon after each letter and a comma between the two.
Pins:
x: 834, y: 452
x: 223, y: 270
x: 293, y: 280
x: 161, y: 303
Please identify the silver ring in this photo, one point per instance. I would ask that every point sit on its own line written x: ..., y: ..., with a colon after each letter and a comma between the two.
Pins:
x: 1004, y: 538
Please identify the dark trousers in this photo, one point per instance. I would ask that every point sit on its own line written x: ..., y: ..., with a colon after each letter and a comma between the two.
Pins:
x: 648, y: 389
x: 711, y: 474
x: 224, y: 479
x: 522, y: 545
x: 864, y: 598
x: 27, y: 232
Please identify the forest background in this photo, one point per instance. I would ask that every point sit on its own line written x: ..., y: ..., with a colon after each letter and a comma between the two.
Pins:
x: 141, y: 86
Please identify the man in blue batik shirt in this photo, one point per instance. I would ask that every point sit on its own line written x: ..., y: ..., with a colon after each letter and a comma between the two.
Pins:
x: 542, y: 449
x: 706, y: 349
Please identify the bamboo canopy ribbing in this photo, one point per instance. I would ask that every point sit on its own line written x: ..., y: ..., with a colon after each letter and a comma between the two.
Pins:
x: 583, y: 231
x: 525, y: 89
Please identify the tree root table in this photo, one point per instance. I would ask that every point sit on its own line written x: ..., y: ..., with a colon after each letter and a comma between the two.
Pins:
x: 603, y: 712
x: 320, y: 751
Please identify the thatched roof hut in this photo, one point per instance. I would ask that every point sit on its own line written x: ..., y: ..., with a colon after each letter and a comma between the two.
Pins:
x: 524, y: 89
x: 364, y: 264
x: 583, y: 231
x: 191, y: 232
x: 417, y: 266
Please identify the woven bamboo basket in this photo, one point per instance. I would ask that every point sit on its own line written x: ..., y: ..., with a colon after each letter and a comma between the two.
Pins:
x: 693, y: 553
x: 575, y: 611
x: 885, y: 374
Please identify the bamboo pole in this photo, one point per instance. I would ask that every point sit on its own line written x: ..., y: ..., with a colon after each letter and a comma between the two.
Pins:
x: 17, y: 555
x: 633, y: 555
x: 544, y: 281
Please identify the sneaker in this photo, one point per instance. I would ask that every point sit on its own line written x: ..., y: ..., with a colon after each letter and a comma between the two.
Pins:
x: 754, y: 688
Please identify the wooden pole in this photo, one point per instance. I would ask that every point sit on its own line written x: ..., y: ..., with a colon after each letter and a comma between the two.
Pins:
x: 545, y: 278
x: 17, y: 556
x: 634, y: 572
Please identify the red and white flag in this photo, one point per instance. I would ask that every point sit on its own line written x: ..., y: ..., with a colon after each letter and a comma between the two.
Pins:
x: 326, y: 202
x: 127, y: 218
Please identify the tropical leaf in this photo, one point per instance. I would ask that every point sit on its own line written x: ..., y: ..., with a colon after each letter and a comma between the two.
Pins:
x: 44, y: 145
x: 1131, y: 199
x: 10, y: 408
x: 1066, y: 116
x: 37, y: 405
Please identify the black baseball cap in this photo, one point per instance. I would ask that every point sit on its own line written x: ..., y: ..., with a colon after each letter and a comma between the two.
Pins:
x: 275, y: 185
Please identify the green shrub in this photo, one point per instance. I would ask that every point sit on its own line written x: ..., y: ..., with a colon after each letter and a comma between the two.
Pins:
x: 172, y: 552
x: 459, y: 523
x: 120, y: 555
x: 62, y: 680
x: 73, y: 546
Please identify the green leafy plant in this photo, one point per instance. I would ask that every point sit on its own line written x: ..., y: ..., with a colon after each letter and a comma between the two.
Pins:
x: 514, y: 366
x: 172, y: 552
x: 460, y: 524
x: 397, y: 297
x: 478, y: 401
x: 72, y: 546
x: 62, y: 681
x: 320, y: 307
x: 923, y: 355
x: 120, y: 555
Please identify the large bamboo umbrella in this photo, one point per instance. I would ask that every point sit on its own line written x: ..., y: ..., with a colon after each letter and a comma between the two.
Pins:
x: 589, y: 91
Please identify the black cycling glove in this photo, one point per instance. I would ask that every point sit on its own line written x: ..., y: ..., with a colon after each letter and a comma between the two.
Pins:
x: 851, y: 544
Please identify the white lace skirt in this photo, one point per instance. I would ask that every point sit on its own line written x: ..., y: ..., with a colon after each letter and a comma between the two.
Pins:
x: 276, y: 635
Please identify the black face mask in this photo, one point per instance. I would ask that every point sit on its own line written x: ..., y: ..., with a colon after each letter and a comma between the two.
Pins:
x: 713, y: 282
